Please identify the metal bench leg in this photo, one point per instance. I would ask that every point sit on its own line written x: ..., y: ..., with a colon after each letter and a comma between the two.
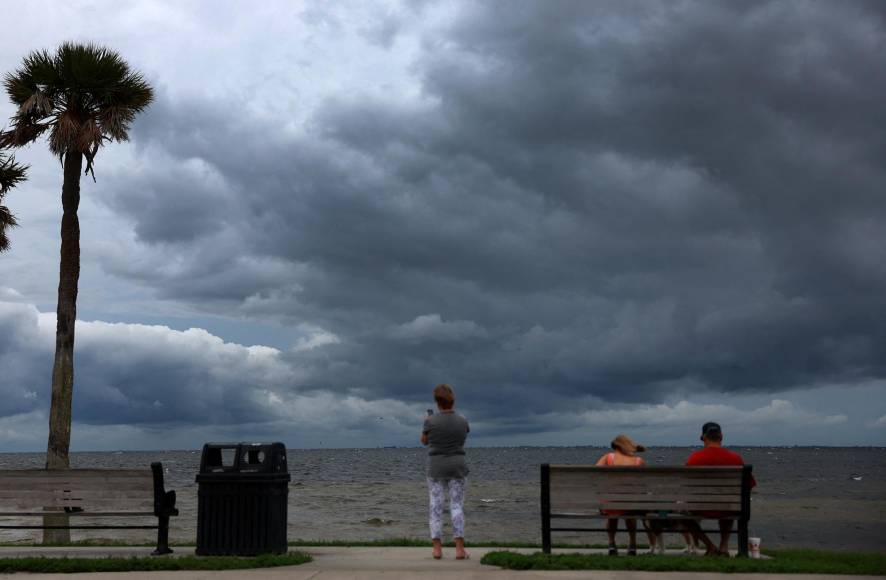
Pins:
x: 743, y: 538
x: 162, y: 537
x: 546, y: 536
x: 546, y: 508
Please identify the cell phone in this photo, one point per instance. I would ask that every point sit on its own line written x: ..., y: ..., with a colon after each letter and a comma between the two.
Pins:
x: 430, y: 412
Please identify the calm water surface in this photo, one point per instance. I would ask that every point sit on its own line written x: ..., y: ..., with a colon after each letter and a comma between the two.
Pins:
x: 828, y: 497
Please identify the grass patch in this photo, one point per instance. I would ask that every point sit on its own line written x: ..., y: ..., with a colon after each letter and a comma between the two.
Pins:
x: 88, y: 542
x: 783, y: 562
x: 147, y: 564
x: 406, y: 543
x: 421, y: 543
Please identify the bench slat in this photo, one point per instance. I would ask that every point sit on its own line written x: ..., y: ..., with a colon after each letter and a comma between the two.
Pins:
x: 577, y: 500
x: 670, y: 516
x: 40, y: 498
x: 643, y: 479
x: 561, y: 506
x: 60, y: 486
x: 84, y: 514
x: 644, y: 498
x: 662, y: 469
x: 676, y: 494
x: 73, y: 473
x: 31, y: 497
x: 86, y: 505
x: 60, y: 493
x: 89, y: 483
x: 657, y: 490
x: 109, y: 492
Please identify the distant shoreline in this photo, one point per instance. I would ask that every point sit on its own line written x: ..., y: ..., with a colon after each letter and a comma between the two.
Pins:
x: 738, y: 446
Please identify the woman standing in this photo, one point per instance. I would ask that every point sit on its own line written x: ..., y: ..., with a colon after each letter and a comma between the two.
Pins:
x: 444, y: 433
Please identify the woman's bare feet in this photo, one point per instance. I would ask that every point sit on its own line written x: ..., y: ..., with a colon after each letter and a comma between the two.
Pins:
x: 460, y: 553
x: 437, y: 552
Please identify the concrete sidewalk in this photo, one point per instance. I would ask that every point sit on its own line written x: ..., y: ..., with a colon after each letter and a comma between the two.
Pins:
x: 367, y: 563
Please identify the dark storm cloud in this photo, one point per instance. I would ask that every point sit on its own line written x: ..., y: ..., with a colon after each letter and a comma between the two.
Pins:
x: 22, y: 356
x: 605, y: 201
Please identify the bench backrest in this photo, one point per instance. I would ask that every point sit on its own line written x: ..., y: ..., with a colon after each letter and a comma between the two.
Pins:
x: 585, y: 489
x: 86, y: 489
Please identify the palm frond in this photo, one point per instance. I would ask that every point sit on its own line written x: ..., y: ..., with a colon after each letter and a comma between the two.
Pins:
x: 11, y: 173
x: 114, y: 122
x: 84, y: 94
x: 38, y: 105
x: 4, y: 239
x: 65, y: 133
x: 21, y: 134
x: 6, y: 218
x: 89, y: 136
x: 38, y: 70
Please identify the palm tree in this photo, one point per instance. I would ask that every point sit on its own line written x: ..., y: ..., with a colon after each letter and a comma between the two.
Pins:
x: 10, y: 174
x: 83, y: 95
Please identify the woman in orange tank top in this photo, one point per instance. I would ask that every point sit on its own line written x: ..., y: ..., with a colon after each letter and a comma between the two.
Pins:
x: 623, y: 453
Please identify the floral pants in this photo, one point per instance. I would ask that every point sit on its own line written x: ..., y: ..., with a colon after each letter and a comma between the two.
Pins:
x: 437, y: 493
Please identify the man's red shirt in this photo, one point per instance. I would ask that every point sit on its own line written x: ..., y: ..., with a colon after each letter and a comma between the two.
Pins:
x: 716, y: 456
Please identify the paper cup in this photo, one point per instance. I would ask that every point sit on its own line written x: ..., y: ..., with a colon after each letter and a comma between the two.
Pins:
x: 754, y: 547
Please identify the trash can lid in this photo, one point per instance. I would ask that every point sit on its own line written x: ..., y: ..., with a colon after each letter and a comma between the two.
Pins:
x: 267, y: 458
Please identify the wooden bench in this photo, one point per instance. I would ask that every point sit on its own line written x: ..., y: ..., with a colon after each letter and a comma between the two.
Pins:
x: 89, y: 493
x: 579, y: 492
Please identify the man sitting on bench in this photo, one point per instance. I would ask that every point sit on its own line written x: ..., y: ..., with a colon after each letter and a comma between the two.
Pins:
x: 714, y: 453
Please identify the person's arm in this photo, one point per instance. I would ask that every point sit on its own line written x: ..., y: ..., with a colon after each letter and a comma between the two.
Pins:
x: 424, y: 431
x: 602, y: 460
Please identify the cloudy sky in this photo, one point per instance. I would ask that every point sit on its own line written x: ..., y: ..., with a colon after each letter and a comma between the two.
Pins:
x: 589, y: 217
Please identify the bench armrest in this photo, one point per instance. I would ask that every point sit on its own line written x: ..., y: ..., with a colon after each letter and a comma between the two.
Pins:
x: 164, y: 501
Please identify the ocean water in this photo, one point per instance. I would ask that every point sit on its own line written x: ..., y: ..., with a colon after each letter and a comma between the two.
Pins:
x: 824, y: 497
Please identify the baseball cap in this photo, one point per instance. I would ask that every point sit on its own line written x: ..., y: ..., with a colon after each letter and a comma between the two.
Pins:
x: 711, y: 429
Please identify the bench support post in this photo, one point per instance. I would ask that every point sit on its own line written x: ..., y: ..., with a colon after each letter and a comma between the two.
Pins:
x: 745, y: 511
x: 164, y: 506
x: 546, y: 508
x: 162, y: 537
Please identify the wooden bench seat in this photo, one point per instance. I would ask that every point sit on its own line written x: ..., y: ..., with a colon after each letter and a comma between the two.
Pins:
x: 88, y: 493
x: 574, y: 492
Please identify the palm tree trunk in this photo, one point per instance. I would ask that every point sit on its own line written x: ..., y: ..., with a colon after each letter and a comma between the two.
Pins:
x: 66, y: 315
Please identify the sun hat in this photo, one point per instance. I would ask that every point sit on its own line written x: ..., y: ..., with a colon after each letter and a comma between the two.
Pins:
x: 626, y: 445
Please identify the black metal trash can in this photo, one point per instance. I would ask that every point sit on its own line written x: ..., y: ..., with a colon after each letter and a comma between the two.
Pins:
x: 242, y: 496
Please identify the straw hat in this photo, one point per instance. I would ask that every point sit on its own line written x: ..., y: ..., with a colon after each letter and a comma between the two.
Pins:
x: 626, y: 445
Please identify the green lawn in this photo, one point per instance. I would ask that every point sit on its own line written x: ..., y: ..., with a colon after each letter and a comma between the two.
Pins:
x: 782, y: 562
x: 422, y: 543
x: 149, y: 563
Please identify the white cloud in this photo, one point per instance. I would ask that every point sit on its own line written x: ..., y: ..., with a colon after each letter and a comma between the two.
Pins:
x: 141, y: 386
x: 316, y: 337
x: 686, y: 413
x: 158, y: 382
x: 432, y: 327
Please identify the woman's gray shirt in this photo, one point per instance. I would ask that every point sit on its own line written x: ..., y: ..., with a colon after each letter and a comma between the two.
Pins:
x: 446, y: 445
